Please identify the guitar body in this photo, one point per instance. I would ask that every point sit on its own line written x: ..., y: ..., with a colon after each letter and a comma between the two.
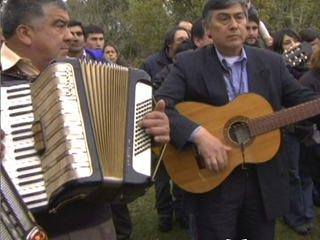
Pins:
x: 220, y: 122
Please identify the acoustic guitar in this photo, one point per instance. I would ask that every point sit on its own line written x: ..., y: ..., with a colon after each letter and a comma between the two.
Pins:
x: 247, y: 124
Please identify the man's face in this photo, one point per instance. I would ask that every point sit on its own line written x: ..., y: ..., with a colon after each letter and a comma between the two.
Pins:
x: 253, y: 33
x: 95, y: 41
x: 179, y: 36
x: 77, y: 43
x: 50, y: 39
x: 228, y: 30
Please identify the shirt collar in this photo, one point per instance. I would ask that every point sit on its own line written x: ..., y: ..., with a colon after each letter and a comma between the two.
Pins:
x: 243, y: 57
x: 84, y: 55
x: 10, y: 59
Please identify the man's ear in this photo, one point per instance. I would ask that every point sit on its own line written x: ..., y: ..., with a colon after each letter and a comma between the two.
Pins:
x: 25, y: 33
x: 206, y: 28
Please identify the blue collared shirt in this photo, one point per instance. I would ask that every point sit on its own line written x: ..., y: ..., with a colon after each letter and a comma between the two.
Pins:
x: 235, y: 76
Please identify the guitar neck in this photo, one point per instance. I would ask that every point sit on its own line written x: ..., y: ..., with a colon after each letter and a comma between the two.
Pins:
x: 284, y: 117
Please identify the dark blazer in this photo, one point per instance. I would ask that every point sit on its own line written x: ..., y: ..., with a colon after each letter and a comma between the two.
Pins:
x: 156, y: 62
x: 198, y: 76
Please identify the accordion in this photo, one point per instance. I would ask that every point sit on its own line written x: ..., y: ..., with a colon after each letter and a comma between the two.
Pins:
x: 17, y: 222
x: 73, y: 134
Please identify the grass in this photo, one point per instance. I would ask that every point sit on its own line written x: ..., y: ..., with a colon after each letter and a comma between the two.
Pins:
x: 145, y: 224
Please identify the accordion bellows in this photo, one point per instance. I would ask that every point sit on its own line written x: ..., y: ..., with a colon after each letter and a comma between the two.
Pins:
x: 85, y: 132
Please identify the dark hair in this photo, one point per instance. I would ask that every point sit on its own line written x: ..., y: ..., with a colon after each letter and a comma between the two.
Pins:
x: 169, y: 38
x: 16, y: 12
x: 221, y: 4
x: 308, y: 35
x: 92, y: 29
x: 185, y: 45
x: 253, y: 17
x: 278, y: 39
x: 73, y: 23
x: 197, y: 31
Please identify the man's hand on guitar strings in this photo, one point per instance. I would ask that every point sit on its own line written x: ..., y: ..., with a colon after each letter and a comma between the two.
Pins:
x: 2, y: 145
x: 156, y: 123
x: 212, y: 150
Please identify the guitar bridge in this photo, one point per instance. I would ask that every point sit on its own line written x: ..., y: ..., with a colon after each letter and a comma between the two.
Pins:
x: 198, y: 157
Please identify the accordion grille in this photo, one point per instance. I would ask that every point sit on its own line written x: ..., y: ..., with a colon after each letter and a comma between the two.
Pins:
x: 107, y: 91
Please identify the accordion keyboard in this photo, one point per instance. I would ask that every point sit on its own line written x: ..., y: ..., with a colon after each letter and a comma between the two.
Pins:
x: 21, y: 160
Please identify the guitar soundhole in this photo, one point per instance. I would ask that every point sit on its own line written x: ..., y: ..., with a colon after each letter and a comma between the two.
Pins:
x: 238, y: 132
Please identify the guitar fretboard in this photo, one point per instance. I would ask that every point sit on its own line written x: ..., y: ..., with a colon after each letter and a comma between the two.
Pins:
x: 284, y: 117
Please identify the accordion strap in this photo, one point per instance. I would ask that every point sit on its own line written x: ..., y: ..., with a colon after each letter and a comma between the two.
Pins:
x: 13, y: 76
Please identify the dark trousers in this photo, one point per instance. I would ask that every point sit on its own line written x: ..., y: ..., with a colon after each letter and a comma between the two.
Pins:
x: 301, y: 208
x: 234, y: 210
x: 167, y: 203
x: 122, y: 220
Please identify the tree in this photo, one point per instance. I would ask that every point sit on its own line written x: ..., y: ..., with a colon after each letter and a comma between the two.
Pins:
x: 295, y: 14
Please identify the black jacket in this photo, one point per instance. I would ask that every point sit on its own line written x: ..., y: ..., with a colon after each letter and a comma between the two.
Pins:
x: 156, y: 62
x: 198, y: 76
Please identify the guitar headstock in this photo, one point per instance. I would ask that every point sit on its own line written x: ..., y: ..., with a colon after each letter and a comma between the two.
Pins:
x: 298, y: 54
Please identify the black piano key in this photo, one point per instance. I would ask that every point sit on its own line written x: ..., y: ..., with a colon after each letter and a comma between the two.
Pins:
x: 26, y: 156
x: 31, y: 182
x: 19, y: 96
x: 28, y: 168
x: 22, y: 137
x: 22, y: 176
x: 20, y: 106
x: 21, y: 124
x: 17, y: 89
x: 32, y: 194
x: 21, y: 131
x: 20, y: 113
x: 17, y: 150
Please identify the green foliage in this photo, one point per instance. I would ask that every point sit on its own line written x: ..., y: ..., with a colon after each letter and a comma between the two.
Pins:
x: 295, y: 14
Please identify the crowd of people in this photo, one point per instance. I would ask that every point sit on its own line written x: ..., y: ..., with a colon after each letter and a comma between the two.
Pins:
x: 226, y: 52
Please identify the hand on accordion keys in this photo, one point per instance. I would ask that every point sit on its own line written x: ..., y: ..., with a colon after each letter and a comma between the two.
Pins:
x: 156, y: 123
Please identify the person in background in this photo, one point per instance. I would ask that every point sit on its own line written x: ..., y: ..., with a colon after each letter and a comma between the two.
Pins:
x: 157, y: 61
x: 94, y: 37
x: 253, y: 31
x: 167, y: 201
x: 311, y: 133
x: 77, y: 43
x: 263, y: 31
x: 284, y: 40
x: 198, y: 36
x: 186, y: 25
x: 185, y: 45
x: 301, y: 214
x: 310, y: 35
x: 248, y: 202
x: 111, y: 52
